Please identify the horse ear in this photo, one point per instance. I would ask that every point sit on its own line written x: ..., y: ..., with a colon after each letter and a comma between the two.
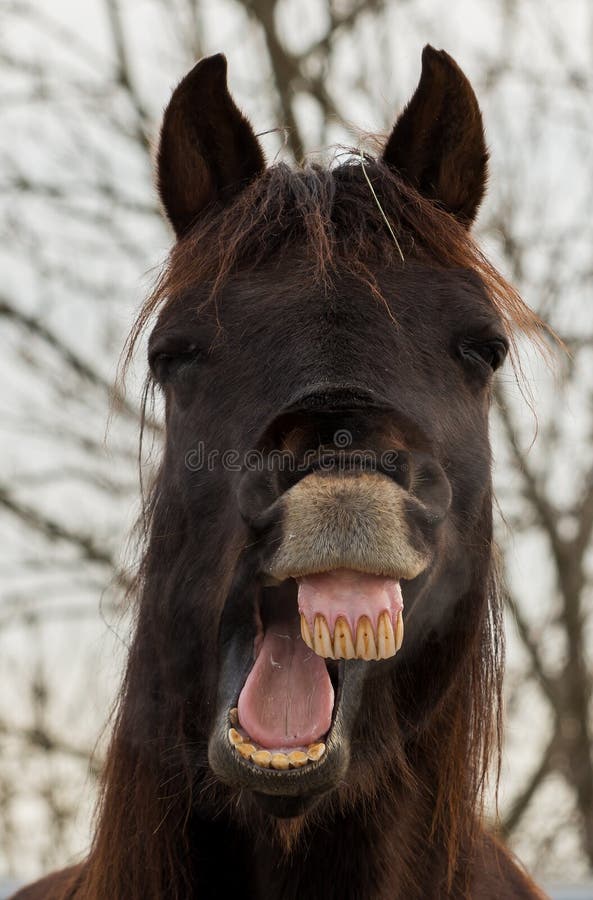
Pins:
x: 438, y: 143
x: 207, y: 149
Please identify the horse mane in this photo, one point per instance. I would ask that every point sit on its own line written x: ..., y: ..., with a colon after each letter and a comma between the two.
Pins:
x: 141, y: 848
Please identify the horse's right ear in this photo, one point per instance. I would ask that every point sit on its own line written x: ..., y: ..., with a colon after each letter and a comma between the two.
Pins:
x: 207, y: 148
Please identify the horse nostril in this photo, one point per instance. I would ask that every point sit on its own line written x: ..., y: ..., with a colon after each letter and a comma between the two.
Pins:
x: 397, y: 464
x: 256, y: 497
x: 430, y: 486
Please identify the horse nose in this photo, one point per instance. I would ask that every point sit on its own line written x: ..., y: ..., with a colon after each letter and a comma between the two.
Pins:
x: 332, y: 434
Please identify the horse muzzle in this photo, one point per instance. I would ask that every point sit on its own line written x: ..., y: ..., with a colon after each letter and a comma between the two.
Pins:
x: 333, y: 544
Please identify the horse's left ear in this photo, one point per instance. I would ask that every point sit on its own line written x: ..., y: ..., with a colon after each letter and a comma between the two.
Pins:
x: 207, y: 150
x: 438, y: 143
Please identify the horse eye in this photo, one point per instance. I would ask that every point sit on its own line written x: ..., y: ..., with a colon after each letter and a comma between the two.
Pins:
x: 166, y: 364
x: 491, y: 353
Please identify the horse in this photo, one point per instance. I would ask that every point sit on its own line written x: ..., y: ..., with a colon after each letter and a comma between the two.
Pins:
x: 312, y: 699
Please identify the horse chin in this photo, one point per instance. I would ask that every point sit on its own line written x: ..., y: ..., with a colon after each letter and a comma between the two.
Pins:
x: 281, y: 807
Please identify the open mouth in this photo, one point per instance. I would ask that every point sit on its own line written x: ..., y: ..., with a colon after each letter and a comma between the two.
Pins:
x: 316, y: 610
x: 306, y: 626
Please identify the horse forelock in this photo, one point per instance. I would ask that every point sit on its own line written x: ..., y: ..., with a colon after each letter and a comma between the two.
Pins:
x: 351, y: 217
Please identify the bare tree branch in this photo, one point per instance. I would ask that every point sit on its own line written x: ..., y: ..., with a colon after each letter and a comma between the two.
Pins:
x: 76, y: 363
x: 50, y: 743
x: 522, y: 802
x: 55, y: 531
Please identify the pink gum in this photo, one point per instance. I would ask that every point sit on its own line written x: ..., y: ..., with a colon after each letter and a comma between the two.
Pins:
x: 350, y: 595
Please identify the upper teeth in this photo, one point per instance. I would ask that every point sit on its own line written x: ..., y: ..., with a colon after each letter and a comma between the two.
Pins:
x: 368, y: 643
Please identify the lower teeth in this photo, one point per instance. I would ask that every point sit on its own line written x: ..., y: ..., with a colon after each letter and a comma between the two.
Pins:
x: 269, y: 759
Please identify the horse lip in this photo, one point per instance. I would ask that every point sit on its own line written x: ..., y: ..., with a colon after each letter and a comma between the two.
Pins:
x: 351, y: 463
x: 302, y: 786
x: 265, y: 518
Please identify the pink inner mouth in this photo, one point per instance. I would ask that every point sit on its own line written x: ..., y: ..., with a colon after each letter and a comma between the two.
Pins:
x: 288, y: 698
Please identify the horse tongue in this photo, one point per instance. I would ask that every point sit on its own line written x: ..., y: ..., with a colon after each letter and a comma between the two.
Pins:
x: 288, y: 698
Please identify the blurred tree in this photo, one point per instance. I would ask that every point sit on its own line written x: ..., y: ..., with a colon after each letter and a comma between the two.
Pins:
x: 82, y: 91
